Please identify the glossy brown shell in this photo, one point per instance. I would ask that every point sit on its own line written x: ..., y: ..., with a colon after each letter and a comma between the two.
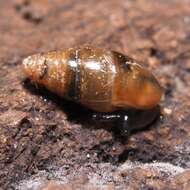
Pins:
x: 99, y: 79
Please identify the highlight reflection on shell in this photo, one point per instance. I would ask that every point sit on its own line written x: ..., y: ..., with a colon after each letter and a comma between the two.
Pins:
x: 99, y: 79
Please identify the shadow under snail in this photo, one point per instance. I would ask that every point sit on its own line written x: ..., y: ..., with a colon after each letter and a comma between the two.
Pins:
x: 102, y: 80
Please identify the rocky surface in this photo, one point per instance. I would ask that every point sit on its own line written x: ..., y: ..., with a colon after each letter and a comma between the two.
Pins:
x: 47, y: 143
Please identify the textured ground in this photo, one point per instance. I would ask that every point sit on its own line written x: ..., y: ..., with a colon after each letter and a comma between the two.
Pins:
x: 45, y: 144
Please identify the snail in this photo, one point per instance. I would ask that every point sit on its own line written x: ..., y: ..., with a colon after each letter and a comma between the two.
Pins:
x: 102, y: 80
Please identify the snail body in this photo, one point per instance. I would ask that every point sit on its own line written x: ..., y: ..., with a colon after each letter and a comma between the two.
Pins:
x: 99, y: 79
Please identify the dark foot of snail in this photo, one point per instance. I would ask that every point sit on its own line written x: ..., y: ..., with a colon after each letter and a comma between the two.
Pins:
x: 127, y: 121
x: 106, y: 117
x: 120, y: 120
x: 124, y: 126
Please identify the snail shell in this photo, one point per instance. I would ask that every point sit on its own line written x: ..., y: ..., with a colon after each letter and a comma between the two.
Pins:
x: 99, y: 79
